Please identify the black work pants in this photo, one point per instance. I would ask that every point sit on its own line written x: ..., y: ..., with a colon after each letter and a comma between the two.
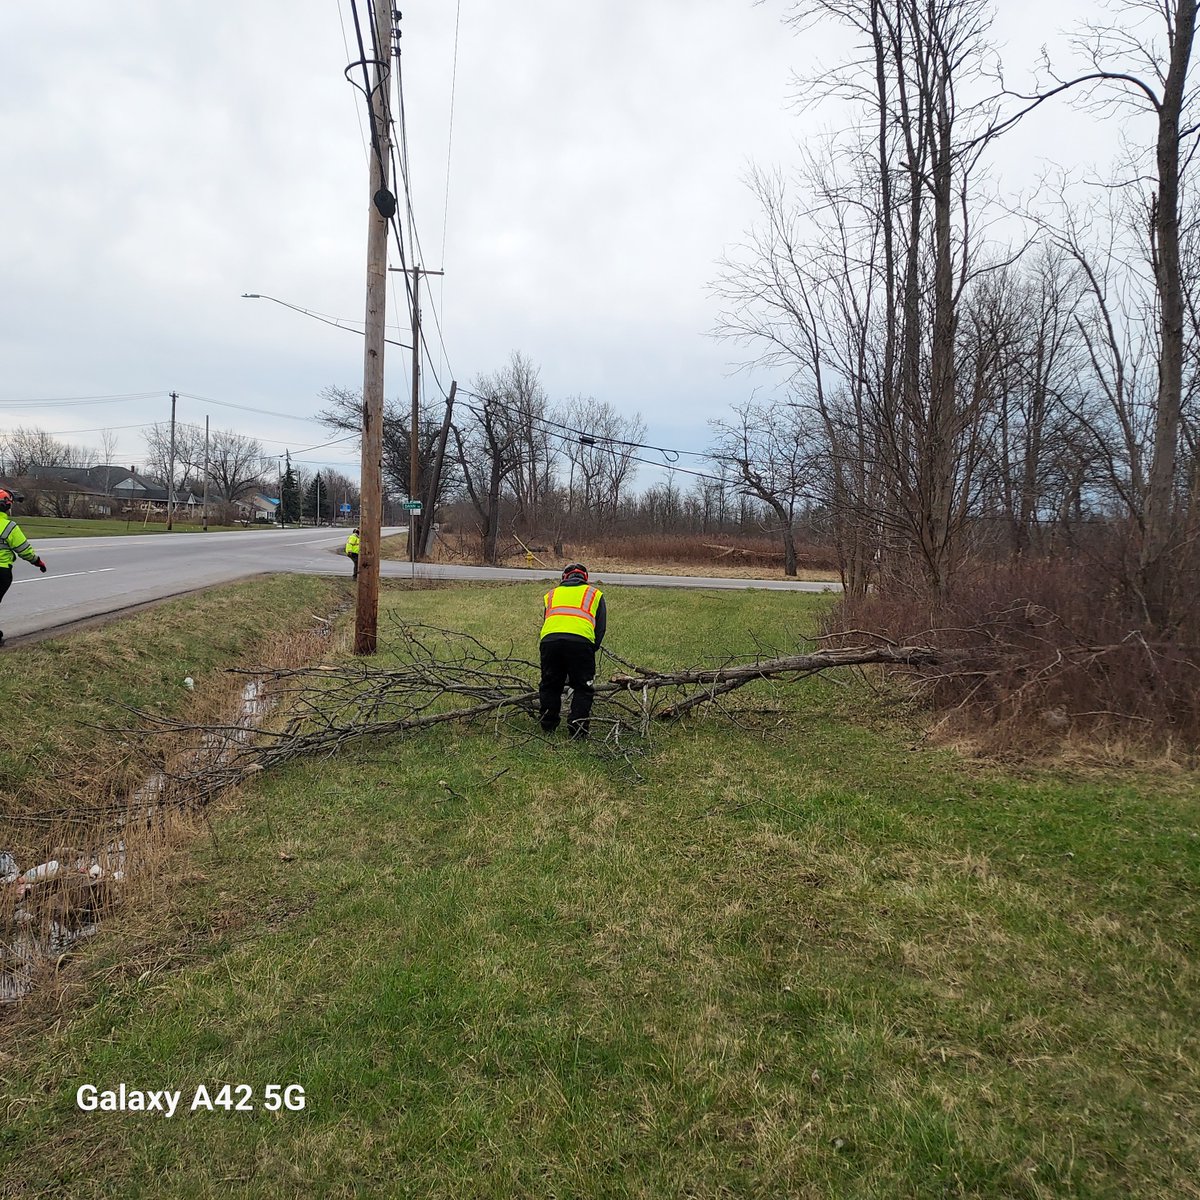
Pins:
x: 5, y: 580
x: 354, y: 562
x: 567, y: 659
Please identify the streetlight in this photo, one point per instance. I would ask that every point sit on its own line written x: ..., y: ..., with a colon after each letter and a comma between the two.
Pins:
x: 334, y: 321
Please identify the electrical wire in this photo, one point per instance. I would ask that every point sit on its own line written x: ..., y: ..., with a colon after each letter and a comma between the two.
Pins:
x: 60, y: 401
x: 593, y: 438
x: 58, y: 433
x: 362, y: 133
x: 265, y: 412
x: 554, y: 427
x: 368, y: 89
x: 450, y: 133
x: 336, y: 322
x: 437, y: 315
x: 401, y: 173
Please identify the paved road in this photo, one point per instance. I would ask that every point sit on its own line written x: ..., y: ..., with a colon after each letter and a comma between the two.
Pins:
x: 93, y: 577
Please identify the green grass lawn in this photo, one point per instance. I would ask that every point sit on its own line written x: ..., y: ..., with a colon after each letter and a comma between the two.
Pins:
x: 52, y: 527
x: 65, y: 699
x: 785, y: 949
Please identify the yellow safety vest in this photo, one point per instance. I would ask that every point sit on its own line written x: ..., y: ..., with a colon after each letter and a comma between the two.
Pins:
x: 571, y: 610
x: 352, y: 544
x: 13, y: 542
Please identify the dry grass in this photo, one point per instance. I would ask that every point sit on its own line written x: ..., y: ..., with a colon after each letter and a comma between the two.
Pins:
x: 1057, y: 658
x: 698, y: 556
x: 102, y: 803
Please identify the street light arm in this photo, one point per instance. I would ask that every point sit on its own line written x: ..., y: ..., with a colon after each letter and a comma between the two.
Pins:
x: 334, y: 321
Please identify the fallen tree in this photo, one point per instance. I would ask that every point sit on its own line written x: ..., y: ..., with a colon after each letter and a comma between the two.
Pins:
x: 438, y: 676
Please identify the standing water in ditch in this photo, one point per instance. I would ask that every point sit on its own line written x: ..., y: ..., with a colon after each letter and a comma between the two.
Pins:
x: 47, y: 909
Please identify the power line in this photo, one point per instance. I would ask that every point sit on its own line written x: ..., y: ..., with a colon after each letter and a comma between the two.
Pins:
x: 450, y: 133
x: 57, y: 433
x: 358, y: 115
x: 554, y: 426
x: 265, y: 412
x: 383, y: 64
x: 588, y: 437
x: 59, y: 401
x: 401, y: 172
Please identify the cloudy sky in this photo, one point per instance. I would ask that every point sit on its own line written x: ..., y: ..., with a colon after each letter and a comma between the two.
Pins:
x: 163, y: 158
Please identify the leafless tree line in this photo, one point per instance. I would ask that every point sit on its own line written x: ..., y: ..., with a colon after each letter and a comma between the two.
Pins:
x: 237, y: 466
x: 516, y: 460
x: 947, y: 393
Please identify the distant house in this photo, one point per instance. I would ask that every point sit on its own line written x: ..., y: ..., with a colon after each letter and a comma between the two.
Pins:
x: 97, y: 491
x: 258, y: 507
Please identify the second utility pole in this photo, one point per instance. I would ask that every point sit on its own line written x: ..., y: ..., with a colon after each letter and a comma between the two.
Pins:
x: 383, y: 207
x: 414, y: 458
x: 171, y: 469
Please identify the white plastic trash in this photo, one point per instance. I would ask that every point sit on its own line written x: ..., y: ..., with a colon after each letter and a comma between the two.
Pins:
x: 46, y: 870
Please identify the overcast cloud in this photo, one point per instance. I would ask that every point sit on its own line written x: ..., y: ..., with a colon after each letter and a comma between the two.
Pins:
x: 163, y: 158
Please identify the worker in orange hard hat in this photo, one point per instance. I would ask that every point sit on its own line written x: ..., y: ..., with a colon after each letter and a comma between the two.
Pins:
x: 12, y: 543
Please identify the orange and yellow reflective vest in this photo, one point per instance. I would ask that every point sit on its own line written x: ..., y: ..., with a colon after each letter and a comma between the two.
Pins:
x: 571, y: 610
x: 13, y: 542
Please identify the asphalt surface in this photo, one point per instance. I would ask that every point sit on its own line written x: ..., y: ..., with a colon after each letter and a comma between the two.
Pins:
x: 90, y: 578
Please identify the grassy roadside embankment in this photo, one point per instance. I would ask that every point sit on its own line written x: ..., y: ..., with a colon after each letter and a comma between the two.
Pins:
x: 64, y: 698
x: 797, y: 954
x: 48, y: 528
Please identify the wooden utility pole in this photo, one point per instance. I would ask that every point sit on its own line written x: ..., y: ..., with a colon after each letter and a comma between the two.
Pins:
x: 435, y: 483
x: 415, y: 520
x: 205, y: 472
x: 383, y: 207
x: 171, y: 469
x: 415, y: 525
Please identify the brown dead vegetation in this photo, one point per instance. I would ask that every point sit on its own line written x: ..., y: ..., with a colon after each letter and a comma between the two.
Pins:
x: 716, y: 555
x: 1058, y: 652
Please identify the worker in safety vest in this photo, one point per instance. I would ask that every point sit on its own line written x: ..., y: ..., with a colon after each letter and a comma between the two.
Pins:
x: 352, y: 552
x: 12, y: 543
x: 573, y: 623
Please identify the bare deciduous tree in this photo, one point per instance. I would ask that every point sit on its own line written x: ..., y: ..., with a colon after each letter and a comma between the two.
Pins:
x: 771, y: 450
x: 344, y: 414
x: 236, y: 464
x: 600, y: 458
x: 860, y: 292
x: 189, y: 451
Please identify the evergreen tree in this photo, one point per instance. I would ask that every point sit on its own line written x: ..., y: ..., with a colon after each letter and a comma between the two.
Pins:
x: 289, y: 501
x: 316, y: 500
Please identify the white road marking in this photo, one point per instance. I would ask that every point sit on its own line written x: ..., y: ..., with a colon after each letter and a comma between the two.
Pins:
x: 68, y: 575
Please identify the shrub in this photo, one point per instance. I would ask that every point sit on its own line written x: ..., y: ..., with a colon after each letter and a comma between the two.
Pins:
x: 1042, y: 648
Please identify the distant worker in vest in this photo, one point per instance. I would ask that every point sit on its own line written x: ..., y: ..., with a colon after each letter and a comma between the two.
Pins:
x: 12, y: 543
x: 352, y: 552
x: 572, y: 629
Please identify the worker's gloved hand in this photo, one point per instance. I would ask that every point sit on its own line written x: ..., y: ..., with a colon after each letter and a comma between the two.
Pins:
x: 41, y: 566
